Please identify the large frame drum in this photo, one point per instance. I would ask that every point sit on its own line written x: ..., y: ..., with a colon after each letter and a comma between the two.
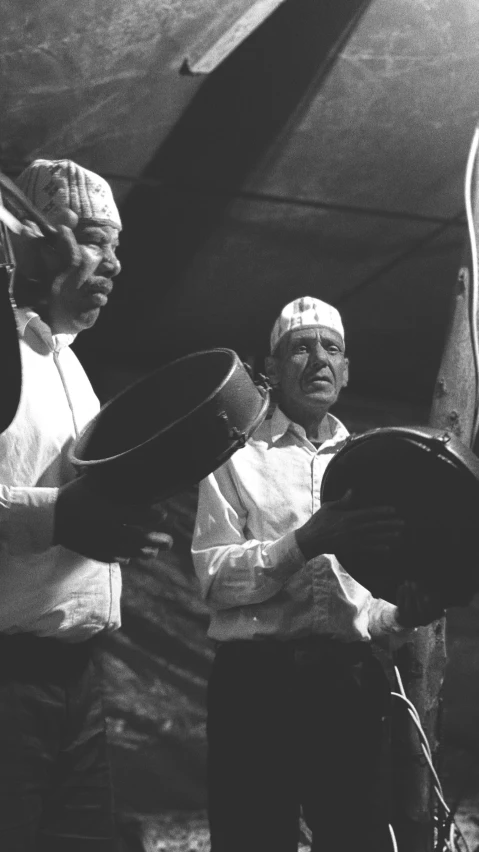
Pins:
x: 171, y: 428
x: 432, y: 480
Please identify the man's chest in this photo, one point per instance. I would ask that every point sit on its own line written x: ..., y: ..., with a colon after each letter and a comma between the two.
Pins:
x: 280, y: 486
x: 53, y: 405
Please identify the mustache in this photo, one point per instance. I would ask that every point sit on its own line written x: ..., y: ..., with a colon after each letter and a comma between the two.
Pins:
x: 98, y: 284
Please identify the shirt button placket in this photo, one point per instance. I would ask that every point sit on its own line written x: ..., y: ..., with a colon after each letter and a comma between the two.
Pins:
x: 315, y: 484
x: 315, y: 505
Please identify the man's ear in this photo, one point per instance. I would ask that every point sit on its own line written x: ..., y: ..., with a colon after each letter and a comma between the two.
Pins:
x: 272, y: 369
x: 346, y: 373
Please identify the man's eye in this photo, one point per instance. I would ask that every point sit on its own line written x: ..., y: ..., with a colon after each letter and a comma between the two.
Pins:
x: 89, y: 242
x: 300, y: 348
x: 333, y: 349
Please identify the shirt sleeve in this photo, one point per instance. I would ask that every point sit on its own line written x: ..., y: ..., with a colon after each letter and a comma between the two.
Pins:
x: 27, y: 517
x: 383, y: 620
x: 232, y: 569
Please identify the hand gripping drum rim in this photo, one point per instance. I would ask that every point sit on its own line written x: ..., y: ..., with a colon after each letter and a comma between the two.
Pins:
x: 432, y: 480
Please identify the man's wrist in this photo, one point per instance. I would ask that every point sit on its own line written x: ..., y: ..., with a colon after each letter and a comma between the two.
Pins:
x: 401, y: 622
x: 304, y: 544
x: 386, y: 620
x: 310, y: 548
x: 283, y: 558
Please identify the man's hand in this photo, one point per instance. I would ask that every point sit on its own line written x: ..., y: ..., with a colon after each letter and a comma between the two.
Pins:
x: 416, y: 606
x: 337, y: 527
x: 70, y: 262
x: 99, y: 529
x: 37, y: 258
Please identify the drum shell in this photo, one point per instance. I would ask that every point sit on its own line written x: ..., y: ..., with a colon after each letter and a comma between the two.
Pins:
x: 171, y: 428
x: 432, y: 480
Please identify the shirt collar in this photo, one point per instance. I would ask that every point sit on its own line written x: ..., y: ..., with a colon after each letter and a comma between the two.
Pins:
x: 54, y: 342
x: 280, y: 424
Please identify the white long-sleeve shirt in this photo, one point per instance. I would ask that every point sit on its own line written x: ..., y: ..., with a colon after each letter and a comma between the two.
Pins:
x: 47, y: 590
x: 251, y: 570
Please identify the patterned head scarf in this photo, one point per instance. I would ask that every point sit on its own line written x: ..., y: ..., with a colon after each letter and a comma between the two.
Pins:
x: 305, y: 313
x: 56, y: 185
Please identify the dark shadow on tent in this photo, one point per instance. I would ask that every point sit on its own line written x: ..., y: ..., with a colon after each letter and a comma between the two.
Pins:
x: 236, y: 117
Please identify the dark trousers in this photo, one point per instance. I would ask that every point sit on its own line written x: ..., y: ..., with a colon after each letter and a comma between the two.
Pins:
x: 297, y: 726
x: 55, y: 792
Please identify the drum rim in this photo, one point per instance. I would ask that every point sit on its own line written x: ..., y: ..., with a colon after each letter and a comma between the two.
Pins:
x: 447, y: 448
x: 90, y: 464
x: 441, y: 438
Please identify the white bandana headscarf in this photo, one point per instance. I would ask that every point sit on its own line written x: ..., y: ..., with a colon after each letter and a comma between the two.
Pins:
x: 56, y: 185
x: 302, y: 313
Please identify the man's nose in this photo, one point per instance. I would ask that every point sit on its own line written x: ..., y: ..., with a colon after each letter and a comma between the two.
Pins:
x: 110, y: 265
x: 318, y: 354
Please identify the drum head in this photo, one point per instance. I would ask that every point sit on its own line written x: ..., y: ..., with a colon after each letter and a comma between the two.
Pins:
x: 432, y: 480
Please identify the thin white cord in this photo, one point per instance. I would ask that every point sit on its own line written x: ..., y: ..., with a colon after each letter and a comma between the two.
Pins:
x: 400, y: 683
x: 475, y: 270
x: 393, y: 839
x: 455, y: 833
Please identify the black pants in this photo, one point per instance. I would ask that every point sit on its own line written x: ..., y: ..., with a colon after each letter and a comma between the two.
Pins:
x: 55, y: 792
x: 290, y: 727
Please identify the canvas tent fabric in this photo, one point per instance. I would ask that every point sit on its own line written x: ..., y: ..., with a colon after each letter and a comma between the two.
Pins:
x: 325, y: 155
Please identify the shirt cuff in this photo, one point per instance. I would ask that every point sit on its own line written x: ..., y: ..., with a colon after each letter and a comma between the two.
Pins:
x: 383, y: 620
x: 283, y: 558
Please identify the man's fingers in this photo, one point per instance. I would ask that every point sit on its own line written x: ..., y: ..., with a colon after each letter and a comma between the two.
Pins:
x: 135, y: 541
x: 381, y: 524
x: 66, y: 247
x: 68, y: 217
x: 153, y: 552
x: 383, y: 534
x: 370, y: 550
x: 347, y: 502
x: 376, y: 533
x: 417, y: 606
x: 74, y: 255
x: 375, y: 514
x: 91, y: 525
x: 31, y: 230
x: 375, y: 548
x: 79, y: 266
x: 159, y: 540
x: 150, y: 517
x: 90, y: 258
x: 344, y: 502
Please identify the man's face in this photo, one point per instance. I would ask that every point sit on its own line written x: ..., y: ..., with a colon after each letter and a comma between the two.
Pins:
x: 310, y: 369
x: 75, y: 308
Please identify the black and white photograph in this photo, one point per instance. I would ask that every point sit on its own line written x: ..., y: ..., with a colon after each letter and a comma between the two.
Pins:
x: 239, y: 426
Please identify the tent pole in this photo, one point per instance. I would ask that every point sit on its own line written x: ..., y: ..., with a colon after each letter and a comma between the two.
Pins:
x: 422, y: 660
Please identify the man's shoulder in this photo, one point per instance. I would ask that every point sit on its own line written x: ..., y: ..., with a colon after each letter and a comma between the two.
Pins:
x: 263, y: 432
x: 261, y: 440
x: 256, y: 455
x: 256, y: 445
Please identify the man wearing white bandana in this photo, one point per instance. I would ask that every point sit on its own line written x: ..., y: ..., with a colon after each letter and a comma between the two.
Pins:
x: 296, y: 700
x: 60, y: 582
